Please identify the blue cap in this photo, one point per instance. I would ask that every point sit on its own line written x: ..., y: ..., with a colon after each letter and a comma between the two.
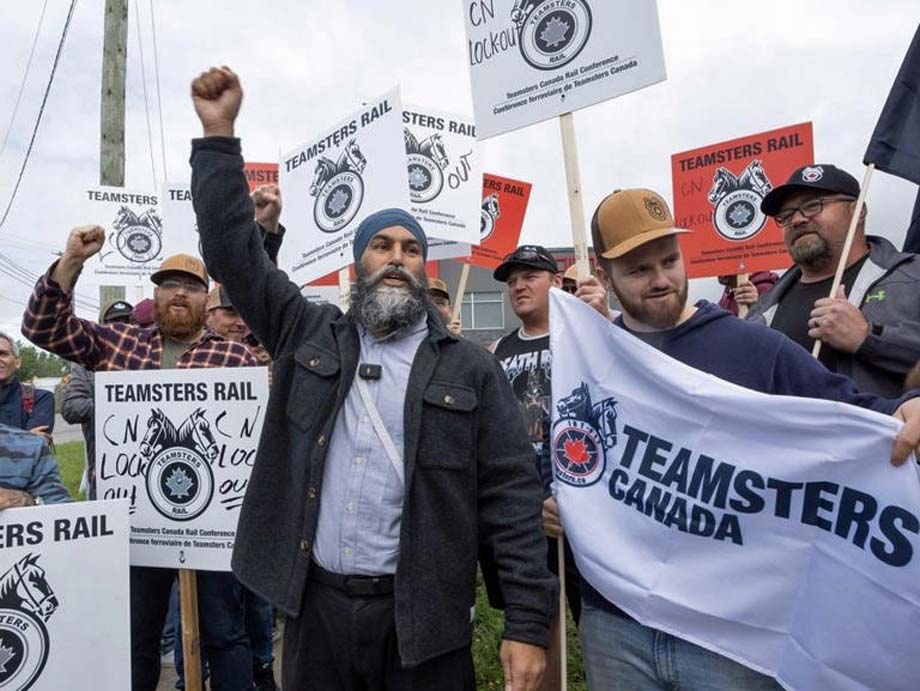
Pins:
x: 386, y: 218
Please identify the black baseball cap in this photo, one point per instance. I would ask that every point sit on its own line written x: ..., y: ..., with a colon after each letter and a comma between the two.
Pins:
x: 115, y: 310
x: 823, y: 177
x: 534, y: 256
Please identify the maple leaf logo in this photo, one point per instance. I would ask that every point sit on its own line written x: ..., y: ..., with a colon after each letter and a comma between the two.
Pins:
x: 338, y: 202
x: 576, y: 451
x: 179, y: 483
x: 739, y: 215
x: 554, y: 32
x: 6, y: 654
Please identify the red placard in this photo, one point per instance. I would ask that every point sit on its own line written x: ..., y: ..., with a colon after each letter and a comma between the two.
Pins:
x: 717, y: 194
x: 260, y: 174
x: 504, y: 203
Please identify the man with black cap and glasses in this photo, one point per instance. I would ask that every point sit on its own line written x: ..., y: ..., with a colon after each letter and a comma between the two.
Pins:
x: 178, y: 339
x: 871, y: 328
x: 391, y: 452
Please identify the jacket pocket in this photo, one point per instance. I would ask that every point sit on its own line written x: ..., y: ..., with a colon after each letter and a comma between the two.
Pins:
x: 314, y: 379
x: 448, y: 426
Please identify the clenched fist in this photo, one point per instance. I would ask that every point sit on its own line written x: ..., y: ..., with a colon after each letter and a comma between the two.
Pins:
x: 217, y: 96
x: 267, y: 202
x: 83, y: 243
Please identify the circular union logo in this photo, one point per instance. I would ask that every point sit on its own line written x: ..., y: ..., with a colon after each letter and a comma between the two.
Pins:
x: 812, y: 173
x: 738, y: 216
x: 578, y: 454
x: 339, y: 201
x: 425, y: 179
x: 654, y: 208
x: 486, y: 225
x: 553, y: 33
x: 138, y: 244
x: 180, y: 483
x: 23, y: 649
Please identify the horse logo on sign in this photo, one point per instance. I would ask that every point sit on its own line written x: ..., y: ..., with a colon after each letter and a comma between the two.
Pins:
x: 582, y: 436
x: 427, y: 160
x: 180, y: 482
x: 489, y: 217
x: 737, y: 214
x: 26, y: 604
x: 338, y: 188
x: 139, y: 237
x: 551, y: 33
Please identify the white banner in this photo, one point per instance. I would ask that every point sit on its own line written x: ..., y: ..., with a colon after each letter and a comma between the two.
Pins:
x: 180, y: 444
x: 531, y: 60
x: 770, y: 529
x: 445, y: 174
x: 64, y: 603
x: 330, y: 184
x: 136, y: 240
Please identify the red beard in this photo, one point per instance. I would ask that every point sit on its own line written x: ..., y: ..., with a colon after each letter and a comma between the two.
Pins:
x: 183, y: 325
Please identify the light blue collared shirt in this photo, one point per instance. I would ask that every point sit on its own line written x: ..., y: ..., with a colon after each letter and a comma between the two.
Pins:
x: 362, y: 496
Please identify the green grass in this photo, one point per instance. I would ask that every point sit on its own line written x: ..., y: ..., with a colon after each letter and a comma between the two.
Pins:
x: 489, y: 622
x: 70, y: 461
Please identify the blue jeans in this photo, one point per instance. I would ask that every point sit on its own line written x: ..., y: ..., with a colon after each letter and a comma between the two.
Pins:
x: 220, y: 618
x: 260, y: 618
x: 621, y: 654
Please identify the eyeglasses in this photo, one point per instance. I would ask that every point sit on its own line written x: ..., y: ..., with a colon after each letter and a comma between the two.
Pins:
x: 570, y: 287
x: 527, y: 254
x: 173, y: 284
x: 809, y: 209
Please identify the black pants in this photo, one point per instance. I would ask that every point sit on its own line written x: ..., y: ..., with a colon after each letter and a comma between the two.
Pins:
x: 342, y: 642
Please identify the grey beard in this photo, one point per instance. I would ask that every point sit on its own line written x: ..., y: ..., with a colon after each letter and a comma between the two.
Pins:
x: 389, y: 310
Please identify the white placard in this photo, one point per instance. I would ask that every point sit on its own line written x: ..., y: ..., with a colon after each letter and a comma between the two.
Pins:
x: 322, y: 295
x: 178, y: 215
x: 180, y: 444
x: 331, y: 183
x: 445, y: 175
x: 64, y: 597
x: 531, y: 60
x: 136, y: 241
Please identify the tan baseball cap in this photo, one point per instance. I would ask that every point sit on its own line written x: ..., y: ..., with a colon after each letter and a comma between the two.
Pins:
x: 571, y: 274
x: 627, y: 219
x: 436, y: 285
x: 218, y: 298
x: 181, y: 264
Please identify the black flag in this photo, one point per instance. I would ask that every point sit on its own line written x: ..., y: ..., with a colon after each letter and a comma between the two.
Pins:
x: 912, y: 241
x: 895, y: 144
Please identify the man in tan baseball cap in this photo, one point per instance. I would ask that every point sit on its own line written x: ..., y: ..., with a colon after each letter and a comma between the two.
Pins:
x: 440, y: 298
x: 638, y: 256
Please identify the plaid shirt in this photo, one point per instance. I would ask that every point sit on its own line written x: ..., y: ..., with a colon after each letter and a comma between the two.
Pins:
x: 49, y: 322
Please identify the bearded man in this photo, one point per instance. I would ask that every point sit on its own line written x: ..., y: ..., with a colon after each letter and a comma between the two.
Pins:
x: 178, y: 339
x: 392, y: 452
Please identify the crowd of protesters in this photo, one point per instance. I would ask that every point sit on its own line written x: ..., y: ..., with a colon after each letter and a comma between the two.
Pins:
x: 397, y: 455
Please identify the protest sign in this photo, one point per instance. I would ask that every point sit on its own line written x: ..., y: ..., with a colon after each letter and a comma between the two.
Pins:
x: 504, y: 203
x: 179, y: 444
x: 445, y: 176
x: 64, y: 603
x: 531, y: 60
x: 332, y: 182
x: 135, y: 242
x: 178, y: 213
x: 717, y: 194
x: 770, y: 529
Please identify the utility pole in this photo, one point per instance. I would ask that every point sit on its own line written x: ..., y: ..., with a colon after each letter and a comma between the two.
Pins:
x: 112, y: 142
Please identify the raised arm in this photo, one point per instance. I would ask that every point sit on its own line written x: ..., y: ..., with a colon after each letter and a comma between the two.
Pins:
x: 268, y: 301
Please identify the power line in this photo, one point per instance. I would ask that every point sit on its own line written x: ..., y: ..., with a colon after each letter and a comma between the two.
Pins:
x: 140, y: 49
x: 156, y: 71
x: 25, y: 78
x: 41, y: 110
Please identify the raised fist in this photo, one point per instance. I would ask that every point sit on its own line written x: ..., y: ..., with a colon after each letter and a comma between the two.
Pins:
x: 84, y: 242
x: 267, y: 201
x: 217, y: 96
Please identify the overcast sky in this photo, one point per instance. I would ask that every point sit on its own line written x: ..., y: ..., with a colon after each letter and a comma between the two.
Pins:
x: 734, y: 68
